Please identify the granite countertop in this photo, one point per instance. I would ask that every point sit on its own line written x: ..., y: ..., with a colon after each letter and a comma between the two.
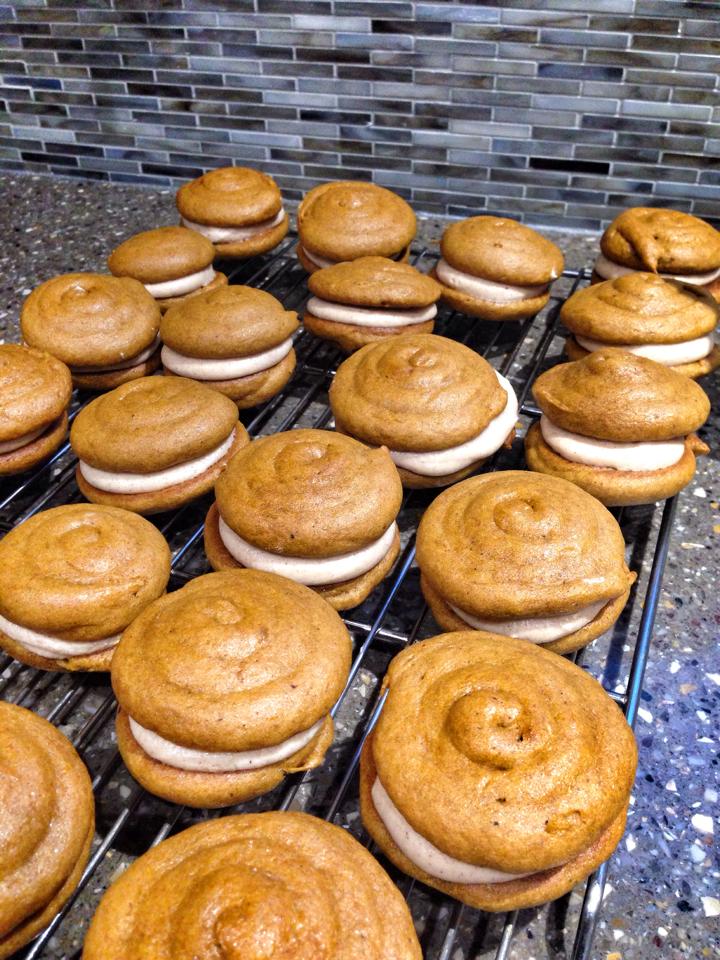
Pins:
x: 663, y: 896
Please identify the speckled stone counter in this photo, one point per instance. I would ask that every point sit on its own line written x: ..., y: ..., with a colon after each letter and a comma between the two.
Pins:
x: 663, y: 896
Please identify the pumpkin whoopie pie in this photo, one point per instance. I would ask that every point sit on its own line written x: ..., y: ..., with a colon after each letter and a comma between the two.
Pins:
x: 154, y: 444
x: 235, y: 339
x: 312, y: 505
x: 348, y: 219
x: 262, y: 661
x: 35, y: 390
x: 104, y: 328
x: 438, y: 406
x: 496, y: 269
x: 369, y: 299
x: 257, y: 885
x: 642, y: 313
x: 618, y: 425
x: 237, y: 209
x: 47, y: 814
x: 676, y: 245
x: 497, y: 772
x: 72, y: 578
x: 525, y: 556
x: 173, y: 263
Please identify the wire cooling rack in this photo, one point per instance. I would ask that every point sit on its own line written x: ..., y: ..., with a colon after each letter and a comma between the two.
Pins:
x: 130, y: 821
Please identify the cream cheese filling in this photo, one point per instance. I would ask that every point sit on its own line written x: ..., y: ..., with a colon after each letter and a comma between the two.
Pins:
x: 669, y: 354
x: 324, y: 262
x: 485, y: 289
x: 438, y: 463
x: 50, y: 647
x: 122, y: 364
x: 368, y: 317
x: 426, y: 855
x: 638, y: 457
x: 229, y: 368
x: 211, y: 761
x: 312, y: 571
x: 609, y: 270
x: 115, y: 482
x: 7, y: 446
x: 317, y: 259
x: 182, y: 285
x: 535, y: 629
x: 234, y: 234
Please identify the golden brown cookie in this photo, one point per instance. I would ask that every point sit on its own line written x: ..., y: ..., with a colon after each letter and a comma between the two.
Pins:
x: 523, y: 555
x: 35, y: 390
x: 369, y: 299
x: 154, y: 444
x: 252, y: 886
x: 238, y: 209
x: 619, y: 425
x: 236, y: 340
x: 640, y: 308
x: 173, y: 263
x: 643, y: 313
x: 526, y: 768
x: 71, y: 579
x: 613, y: 395
x: 311, y: 505
x: 48, y: 821
x: 348, y: 219
x: 164, y: 253
x: 376, y: 282
x: 262, y: 661
x: 662, y: 241
x: 437, y: 405
x: 496, y: 269
x: 103, y: 327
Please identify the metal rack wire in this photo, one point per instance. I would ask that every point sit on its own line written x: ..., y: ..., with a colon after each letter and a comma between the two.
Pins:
x: 130, y: 821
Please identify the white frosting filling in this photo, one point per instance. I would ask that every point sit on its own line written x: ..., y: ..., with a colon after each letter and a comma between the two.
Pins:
x: 609, y: 270
x: 317, y: 259
x: 668, y: 354
x: 234, y: 234
x: 113, y: 482
x: 426, y: 855
x: 368, y: 317
x: 123, y: 364
x: 438, y: 463
x: 535, y: 629
x: 485, y: 289
x: 312, y: 571
x: 226, y: 369
x: 182, y: 285
x: 640, y: 456
x: 211, y: 761
x: 7, y: 446
x: 45, y: 645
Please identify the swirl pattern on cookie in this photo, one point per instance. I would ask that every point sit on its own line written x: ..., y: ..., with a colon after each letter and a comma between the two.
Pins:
x: 516, y: 544
x: 81, y: 572
x: 309, y: 493
x: 47, y: 824
x: 524, y: 759
x: 254, y: 886
x: 416, y: 392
